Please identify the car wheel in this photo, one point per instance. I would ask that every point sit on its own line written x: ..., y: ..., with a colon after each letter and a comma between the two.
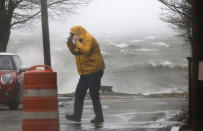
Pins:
x: 14, y: 105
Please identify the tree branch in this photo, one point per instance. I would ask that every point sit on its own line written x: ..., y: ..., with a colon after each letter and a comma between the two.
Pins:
x: 180, y: 16
x: 25, y: 20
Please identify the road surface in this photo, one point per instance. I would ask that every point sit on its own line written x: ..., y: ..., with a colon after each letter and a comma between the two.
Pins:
x: 138, y: 114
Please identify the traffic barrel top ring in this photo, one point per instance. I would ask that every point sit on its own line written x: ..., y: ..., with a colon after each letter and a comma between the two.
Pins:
x: 38, y: 68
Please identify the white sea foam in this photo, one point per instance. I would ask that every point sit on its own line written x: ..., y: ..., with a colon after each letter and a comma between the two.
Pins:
x: 136, y: 41
x: 120, y: 45
x: 161, y: 44
x: 161, y: 63
x: 145, y: 50
x: 126, y: 51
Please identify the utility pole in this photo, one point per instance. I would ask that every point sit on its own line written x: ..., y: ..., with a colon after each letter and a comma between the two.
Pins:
x: 45, y: 33
x: 197, y: 64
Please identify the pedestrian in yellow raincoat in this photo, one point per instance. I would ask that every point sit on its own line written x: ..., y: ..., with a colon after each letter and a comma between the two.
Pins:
x: 90, y: 65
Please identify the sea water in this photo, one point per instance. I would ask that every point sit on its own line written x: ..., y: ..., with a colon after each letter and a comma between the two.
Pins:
x: 135, y: 63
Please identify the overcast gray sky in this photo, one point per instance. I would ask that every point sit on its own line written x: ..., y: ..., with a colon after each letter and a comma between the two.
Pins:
x: 117, y: 16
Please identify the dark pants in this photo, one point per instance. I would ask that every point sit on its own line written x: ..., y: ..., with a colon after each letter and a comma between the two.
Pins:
x: 93, y: 83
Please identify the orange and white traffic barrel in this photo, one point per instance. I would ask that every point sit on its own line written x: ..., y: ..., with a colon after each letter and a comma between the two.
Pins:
x: 40, y: 107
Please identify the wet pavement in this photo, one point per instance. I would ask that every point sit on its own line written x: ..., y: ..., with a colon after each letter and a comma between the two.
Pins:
x: 138, y: 114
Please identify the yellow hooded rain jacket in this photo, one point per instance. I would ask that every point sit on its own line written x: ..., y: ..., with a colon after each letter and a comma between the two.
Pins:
x: 87, y: 52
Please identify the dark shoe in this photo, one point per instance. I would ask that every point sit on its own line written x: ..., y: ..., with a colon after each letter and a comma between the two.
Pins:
x: 73, y: 118
x: 97, y: 120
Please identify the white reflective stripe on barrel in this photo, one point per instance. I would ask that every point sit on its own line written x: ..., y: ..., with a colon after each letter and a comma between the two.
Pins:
x: 40, y: 115
x: 40, y: 92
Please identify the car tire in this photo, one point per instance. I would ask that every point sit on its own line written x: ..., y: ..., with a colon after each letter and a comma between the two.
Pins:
x: 14, y: 105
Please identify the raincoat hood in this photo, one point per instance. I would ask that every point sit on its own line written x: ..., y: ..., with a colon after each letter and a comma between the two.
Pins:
x: 79, y: 31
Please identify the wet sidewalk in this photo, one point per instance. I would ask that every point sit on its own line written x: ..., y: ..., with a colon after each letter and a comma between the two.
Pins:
x: 138, y: 114
x: 121, y: 114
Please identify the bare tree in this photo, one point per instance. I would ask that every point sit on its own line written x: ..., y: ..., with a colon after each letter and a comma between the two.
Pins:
x: 16, y: 13
x: 179, y: 14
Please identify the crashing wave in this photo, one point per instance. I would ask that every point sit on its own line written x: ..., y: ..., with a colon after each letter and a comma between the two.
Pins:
x: 166, y: 64
x: 127, y: 52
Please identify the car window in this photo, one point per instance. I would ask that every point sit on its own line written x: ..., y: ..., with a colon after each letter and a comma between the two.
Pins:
x: 17, y: 62
x: 6, y: 63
